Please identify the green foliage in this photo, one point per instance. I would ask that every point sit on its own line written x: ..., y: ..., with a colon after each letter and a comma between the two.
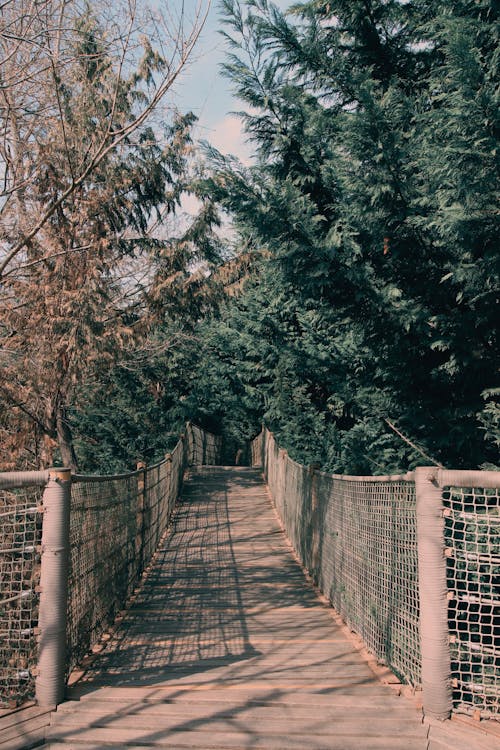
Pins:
x: 361, y: 321
x: 368, y: 334
x: 134, y: 411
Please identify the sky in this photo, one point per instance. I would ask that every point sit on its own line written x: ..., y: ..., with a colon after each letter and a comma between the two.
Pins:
x: 203, y: 90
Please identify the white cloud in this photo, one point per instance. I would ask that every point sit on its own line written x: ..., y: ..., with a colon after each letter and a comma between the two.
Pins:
x: 228, y: 137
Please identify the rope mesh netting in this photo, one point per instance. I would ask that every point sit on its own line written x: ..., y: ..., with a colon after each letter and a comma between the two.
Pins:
x: 369, y: 566
x: 203, y: 448
x: 472, y: 534
x: 116, y: 524
x: 256, y: 449
x: 20, y: 539
x: 357, y: 538
x: 160, y: 485
x: 103, y: 564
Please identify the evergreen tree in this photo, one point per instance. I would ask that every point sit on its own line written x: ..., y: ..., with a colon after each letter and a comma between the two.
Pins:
x: 379, y: 275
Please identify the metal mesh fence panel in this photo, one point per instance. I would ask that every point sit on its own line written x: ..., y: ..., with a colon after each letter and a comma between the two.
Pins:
x: 20, y: 539
x: 103, y: 570
x: 472, y: 534
x: 357, y: 538
x: 367, y: 564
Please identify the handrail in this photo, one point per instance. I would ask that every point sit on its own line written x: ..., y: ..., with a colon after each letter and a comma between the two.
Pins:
x: 10, y: 480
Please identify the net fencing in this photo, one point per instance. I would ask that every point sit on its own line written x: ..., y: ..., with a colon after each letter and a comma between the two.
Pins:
x: 102, y: 566
x: 20, y: 539
x: 370, y: 567
x: 202, y: 448
x: 472, y: 535
x: 257, y: 450
x: 115, y: 525
x: 357, y: 537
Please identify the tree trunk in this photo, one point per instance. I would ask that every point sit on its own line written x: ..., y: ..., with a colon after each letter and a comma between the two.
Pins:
x: 65, y: 441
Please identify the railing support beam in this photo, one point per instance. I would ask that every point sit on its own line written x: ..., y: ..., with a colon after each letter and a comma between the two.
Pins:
x: 51, y: 670
x: 434, y: 634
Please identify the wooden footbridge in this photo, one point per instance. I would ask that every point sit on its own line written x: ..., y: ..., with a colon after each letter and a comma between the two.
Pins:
x: 228, y: 645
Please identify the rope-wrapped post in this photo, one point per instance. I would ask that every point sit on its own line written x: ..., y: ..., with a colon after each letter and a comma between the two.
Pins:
x: 51, y: 669
x: 434, y: 633
x: 140, y: 512
x: 314, y: 563
x: 168, y: 469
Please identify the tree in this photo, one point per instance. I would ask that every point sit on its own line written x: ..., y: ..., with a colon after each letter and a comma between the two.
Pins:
x: 44, y: 45
x: 368, y: 221
x: 83, y: 172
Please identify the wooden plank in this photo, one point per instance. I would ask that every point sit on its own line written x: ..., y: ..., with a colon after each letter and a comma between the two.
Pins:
x: 452, y: 736
x: 259, y: 743
x: 9, y: 711
x: 249, y: 710
x: 25, y: 731
x: 306, y: 695
x: 218, y: 668
x: 24, y: 727
x: 234, y: 740
x: 139, y: 726
x: 35, y: 738
x: 21, y: 715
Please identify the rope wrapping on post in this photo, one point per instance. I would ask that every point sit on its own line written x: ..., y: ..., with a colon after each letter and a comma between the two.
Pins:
x: 50, y: 682
x: 434, y: 633
x: 12, y: 479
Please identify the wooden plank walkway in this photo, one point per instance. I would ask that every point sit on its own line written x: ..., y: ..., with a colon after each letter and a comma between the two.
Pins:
x: 227, y: 646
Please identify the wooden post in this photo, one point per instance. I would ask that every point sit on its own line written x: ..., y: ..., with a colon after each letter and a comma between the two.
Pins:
x: 434, y: 634
x: 140, y: 520
x: 51, y: 669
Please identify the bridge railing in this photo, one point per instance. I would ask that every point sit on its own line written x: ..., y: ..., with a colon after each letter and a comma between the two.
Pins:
x: 20, y: 548
x: 72, y: 551
x: 410, y: 563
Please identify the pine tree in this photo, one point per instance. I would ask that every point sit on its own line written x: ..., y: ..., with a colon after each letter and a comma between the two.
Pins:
x: 358, y: 206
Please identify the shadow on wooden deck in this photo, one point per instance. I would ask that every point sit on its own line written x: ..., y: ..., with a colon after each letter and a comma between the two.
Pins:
x: 227, y: 646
